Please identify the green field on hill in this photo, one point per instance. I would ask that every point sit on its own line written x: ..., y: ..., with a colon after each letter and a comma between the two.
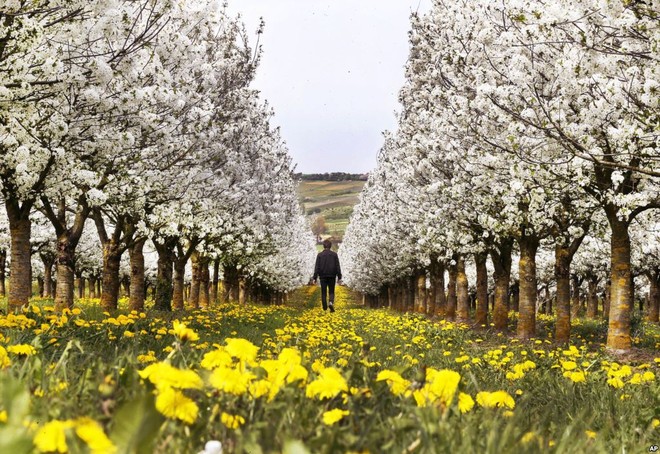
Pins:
x: 334, y: 200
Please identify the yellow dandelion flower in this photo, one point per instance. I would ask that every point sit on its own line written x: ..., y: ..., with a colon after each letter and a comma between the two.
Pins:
x: 655, y: 423
x: 329, y: 383
x: 174, y: 405
x: 577, y: 376
x: 465, y: 402
x: 4, y: 358
x: 3, y: 416
x: 230, y: 380
x: 615, y: 382
x: 232, y: 421
x: 216, y: 358
x: 182, y: 332
x: 150, y: 357
x: 569, y: 365
x: 528, y: 437
x: 242, y: 349
x: 51, y: 437
x: 495, y: 399
x: 164, y: 375
x: 590, y: 434
x: 22, y: 350
x: 333, y: 416
x: 398, y: 385
x: 93, y: 435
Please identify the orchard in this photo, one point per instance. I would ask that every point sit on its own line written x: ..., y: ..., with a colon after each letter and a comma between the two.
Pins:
x: 501, y: 269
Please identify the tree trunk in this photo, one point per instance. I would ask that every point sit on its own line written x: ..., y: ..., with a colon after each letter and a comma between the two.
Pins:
x: 196, y: 280
x: 20, y: 276
x: 462, y: 290
x: 563, y: 276
x: 138, y: 290
x: 501, y: 258
x: 179, y: 283
x: 420, y: 293
x: 606, y: 300
x: 92, y: 287
x: 482, y: 290
x: 40, y: 286
x: 163, y: 299
x: 230, y: 283
x: 576, y: 282
x: 204, y: 282
x: 65, y: 272
x: 618, y: 333
x: 528, y: 288
x: 111, y: 282
x: 515, y: 296
x: 214, y: 283
x: 440, y: 297
x: 48, y: 276
x: 451, y: 291
x: 3, y: 272
x: 79, y: 283
x: 592, y: 297
x: 126, y: 285
x: 242, y: 293
x: 654, y: 297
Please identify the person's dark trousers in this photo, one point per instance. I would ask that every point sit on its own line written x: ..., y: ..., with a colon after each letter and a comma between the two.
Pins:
x: 327, y: 286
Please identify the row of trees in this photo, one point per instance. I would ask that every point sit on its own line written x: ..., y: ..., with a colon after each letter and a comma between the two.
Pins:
x: 528, y: 133
x: 134, y: 118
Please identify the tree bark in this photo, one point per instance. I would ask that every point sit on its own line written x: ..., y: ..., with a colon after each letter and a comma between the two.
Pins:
x: 654, y: 297
x: 20, y: 276
x: 138, y: 290
x: 48, y: 261
x: 67, y: 241
x: 482, y: 289
x: 528, y: 288
x: 78, y: 282
x: 451, y: 291
x: 111, y: 282
x: 204, y: 282
x: 462, y: 290
x: 501, y: 258
x: 563, y: 277
x: 3, y: 272
x: 163, y: 288
x: 215, y: 282
x: 242, y: 294
x: 621, y: 303
x: 592, y: 297
x: 92, y: 287
x: 65, y: 269
x: 179, y: 283
x: 438, y: 282
x: 575, y: 295
x: 420, y: 292
x: 230, y: 283
x: 514, y: 290
x: 196, y: 280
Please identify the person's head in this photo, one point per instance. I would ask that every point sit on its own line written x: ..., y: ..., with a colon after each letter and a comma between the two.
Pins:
x: 327, y: 244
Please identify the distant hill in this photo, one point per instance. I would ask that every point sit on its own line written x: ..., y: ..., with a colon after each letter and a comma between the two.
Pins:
x: 332, y: 200
x: 334, y: 176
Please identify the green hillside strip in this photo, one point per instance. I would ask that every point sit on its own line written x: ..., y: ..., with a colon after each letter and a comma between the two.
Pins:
x: 333, y: 200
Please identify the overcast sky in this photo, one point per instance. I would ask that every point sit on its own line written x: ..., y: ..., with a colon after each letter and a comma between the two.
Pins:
x: 332, y: 70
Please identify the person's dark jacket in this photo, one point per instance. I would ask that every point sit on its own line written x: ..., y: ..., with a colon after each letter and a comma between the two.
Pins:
x: 327, y: 265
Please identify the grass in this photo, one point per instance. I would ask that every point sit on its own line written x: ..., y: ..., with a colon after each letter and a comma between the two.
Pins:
x: 88, y: 367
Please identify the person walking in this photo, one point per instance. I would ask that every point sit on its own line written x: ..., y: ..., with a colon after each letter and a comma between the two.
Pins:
x: 327, y: 269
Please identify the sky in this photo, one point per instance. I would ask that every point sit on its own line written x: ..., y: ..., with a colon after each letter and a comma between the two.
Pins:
x: 331, y: 70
